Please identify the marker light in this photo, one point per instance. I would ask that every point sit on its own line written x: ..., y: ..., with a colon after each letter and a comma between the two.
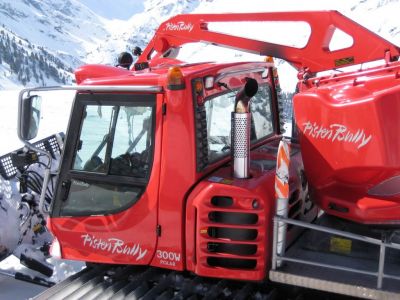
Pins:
x: 175, y: 80
x: 198, y: 86
x: 198, y: 89
x: 209, y: 82
x: 387, y: 188
x: 269, y: 59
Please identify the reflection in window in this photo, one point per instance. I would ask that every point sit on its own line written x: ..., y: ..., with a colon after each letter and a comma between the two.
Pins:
x: 260, y: 107
x: 94, y: 137
x: 98, y: 198
x: 218, y: 116
x: 115, y: 140
x: 132, y: 142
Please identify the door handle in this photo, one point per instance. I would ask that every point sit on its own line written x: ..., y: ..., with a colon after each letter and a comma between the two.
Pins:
x: 65, y: 185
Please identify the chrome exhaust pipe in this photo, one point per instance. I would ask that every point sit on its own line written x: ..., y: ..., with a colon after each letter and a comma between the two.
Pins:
x: 241, y: 125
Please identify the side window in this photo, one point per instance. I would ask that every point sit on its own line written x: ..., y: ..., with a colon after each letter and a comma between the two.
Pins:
x: 111, y: 164
x: 261, y: 113
x: 115, y: 140
x: 218, y: 118
x: 132, y: 142
x: 94, y: 136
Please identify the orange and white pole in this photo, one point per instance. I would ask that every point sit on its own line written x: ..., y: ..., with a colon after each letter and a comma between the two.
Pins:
x: 282, y: 193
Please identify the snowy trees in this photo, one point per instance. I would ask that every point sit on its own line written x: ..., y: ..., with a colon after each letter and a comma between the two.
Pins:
x: 29, y: 64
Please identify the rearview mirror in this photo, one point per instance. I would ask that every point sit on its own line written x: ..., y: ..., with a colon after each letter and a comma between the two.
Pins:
x: 29, y: 117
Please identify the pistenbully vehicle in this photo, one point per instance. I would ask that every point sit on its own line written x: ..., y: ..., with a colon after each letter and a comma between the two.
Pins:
x: 153, y: 175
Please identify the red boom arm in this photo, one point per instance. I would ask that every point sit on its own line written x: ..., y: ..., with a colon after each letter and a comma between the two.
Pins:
x: 315, y: 55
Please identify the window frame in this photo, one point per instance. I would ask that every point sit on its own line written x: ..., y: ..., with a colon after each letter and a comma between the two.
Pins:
x: 201, y: 167
x: 72, y: 144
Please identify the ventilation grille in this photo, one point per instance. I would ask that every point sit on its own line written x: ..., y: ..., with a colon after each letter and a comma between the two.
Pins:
x: 201, y: 138
x: 234, y: 234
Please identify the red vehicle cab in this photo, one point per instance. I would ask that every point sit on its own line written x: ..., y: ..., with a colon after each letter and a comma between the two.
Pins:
x: 146, y: 176
x: 141, y: 181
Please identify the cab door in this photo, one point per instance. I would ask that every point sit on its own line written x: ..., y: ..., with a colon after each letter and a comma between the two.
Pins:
x: 105, y: 208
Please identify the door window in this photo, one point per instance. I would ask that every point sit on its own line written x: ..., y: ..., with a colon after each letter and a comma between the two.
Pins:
x: 115, y: 140
x: 112, y: 159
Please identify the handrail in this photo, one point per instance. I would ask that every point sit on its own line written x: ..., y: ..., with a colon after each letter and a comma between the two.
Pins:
x: 382, y: 251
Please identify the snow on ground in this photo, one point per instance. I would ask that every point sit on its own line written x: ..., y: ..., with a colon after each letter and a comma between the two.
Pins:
x: 8, y: 121
x: 18, y: 290
x: 62, y: 268
x: 56, y: 108
x: 55, y: 115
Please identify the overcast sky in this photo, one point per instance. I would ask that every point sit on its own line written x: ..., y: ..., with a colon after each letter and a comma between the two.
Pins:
x: 115, y: 9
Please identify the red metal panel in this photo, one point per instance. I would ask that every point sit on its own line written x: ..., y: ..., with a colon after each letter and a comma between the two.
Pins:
x: 367, y: 46
x: 349, y: 128
x: 128, y: 237
x: 259, y: 187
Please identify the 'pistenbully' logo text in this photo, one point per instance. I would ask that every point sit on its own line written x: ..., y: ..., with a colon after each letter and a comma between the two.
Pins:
x: 337, y: 133
x: 113, y: 246
x: 179, y: 26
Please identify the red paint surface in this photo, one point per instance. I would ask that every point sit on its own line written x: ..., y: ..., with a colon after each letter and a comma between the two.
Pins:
x: 341, y: 170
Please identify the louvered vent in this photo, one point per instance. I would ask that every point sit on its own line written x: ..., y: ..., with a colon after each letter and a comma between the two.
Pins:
x: 232, y: 239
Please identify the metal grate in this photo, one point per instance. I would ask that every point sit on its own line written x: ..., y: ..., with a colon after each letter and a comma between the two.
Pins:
x: 7, y: 169
x: 49, y: 144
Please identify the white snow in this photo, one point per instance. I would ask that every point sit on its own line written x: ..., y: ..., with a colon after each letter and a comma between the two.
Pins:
x: 55, y: 107
x: 18, y: 290
x: 91, y: 38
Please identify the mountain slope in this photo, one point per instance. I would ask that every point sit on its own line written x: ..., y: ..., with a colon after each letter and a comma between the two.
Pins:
x: 67, y: 34
x: 45, y: 35
x: 138, y: 30
x: 26, y: 63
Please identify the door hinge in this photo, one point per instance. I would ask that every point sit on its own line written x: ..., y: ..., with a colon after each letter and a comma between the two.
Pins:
x: 164, y: 109
x: 158, y: 230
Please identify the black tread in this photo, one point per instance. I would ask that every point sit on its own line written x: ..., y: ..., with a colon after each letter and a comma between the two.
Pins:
x: 117, y: 283
x: 134, y: 282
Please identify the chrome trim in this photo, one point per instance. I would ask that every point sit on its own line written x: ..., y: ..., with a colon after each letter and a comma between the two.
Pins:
x: 98, y: 88
x: 241, y: 123
x: 238, y: 72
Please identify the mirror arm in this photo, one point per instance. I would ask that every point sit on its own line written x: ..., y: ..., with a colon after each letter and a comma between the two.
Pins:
x: 33, y: 148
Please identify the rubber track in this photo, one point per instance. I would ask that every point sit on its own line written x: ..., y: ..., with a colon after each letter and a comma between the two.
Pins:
x: 117, y: 283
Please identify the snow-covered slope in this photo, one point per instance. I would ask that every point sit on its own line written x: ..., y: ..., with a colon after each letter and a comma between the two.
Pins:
x: 138, y: 30
x: 70, y: 34
x: 63, y: 25
x: 22, y: 62
x: 45, y: 34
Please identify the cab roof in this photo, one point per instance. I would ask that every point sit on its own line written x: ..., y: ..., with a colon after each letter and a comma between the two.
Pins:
x: 156, y: 75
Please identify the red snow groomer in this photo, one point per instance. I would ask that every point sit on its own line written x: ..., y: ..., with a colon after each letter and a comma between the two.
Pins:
x: 175, y: 165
